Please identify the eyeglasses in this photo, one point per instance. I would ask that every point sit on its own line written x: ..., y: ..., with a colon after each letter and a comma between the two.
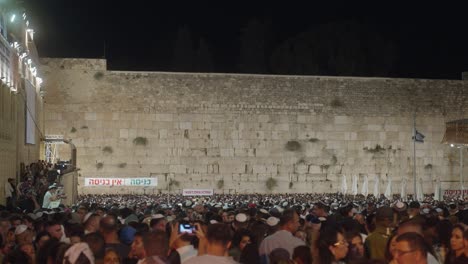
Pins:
x: 341, y: 243
x: 401, y: 252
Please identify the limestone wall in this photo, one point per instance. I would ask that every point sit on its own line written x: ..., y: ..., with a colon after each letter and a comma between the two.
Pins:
x: 13, y: 149
x: 7, y: 138
x: 303, y: 131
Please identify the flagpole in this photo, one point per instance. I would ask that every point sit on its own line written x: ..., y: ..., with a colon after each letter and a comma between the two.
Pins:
x: 414, y: 153
x: 461, y: 173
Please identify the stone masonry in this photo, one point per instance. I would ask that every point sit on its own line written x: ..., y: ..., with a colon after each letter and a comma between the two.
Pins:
x: 233, y: 132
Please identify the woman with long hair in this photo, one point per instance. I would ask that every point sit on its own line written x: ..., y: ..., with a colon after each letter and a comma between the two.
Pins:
x: 241, y: 239
x: 456, y: 253
x: 332, y: 246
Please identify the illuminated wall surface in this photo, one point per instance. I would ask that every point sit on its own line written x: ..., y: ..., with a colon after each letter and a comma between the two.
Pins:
x: 233, y: 132
x: 21, y: 122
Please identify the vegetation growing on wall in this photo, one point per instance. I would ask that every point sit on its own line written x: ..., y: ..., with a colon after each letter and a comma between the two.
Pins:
x: 291, y: 184
x: 336, y: 103
x: 334, y: 160
x: 172, y: 183
x: 293, y: 145
x: 313, y: 140
x: 84, y: 127
x: 271, y: 183
x: 107, y: 150
x: 99, y: 165
x: 73, y: 130
x: 220, y: 184
x: 428, y: 166
x: 98, y: 75
x: 122, y: 165
x: 376, y: 149
x: 140, y: 141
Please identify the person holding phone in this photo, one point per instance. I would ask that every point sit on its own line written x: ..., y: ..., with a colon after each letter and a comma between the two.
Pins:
x: 181, y: 237
x: 214, y: 245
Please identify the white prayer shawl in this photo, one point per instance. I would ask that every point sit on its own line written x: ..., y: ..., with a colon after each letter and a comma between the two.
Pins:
x: 344, y: 185
x: 437, y: 190
x: 403, y: 189
x: 354, y: 189
x: 365, y: 186
x: 377, y: 186
x: 419, y: 190
x: 388, y: 190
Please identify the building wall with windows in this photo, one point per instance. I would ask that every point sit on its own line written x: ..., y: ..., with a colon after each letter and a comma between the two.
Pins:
x: 20, y: 95
x: 236, y: 132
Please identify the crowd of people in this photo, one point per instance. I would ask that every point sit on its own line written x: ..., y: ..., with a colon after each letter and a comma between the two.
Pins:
x: 227, y: 228
x: 35, y: 182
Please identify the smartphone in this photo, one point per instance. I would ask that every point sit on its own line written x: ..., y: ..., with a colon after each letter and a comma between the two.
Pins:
x: 186, y: 228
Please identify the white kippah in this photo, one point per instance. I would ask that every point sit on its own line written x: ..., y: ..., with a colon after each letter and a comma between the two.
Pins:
x: 272, y: 221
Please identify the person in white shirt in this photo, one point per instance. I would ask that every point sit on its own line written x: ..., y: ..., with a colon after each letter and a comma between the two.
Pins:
x: 50, y: 196
x: 283, y: 238
x: 214, y: 246
x: 181, y: 242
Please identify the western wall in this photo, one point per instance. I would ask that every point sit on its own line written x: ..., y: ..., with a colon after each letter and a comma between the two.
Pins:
x: 234, y: 132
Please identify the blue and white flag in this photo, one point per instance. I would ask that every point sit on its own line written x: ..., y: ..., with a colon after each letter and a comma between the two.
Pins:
x: 418, y: 137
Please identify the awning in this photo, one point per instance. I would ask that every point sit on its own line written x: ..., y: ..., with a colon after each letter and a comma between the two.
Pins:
x: 456, y: 132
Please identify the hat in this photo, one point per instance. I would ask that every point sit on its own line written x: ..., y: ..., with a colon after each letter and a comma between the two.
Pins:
x: 241, y: 217
x: 36, y: 215
x: 313, y: 219
x: 272, y: 221
x: 157, y: 216
x: 399, y: 206
x: 131, y: 218
x: 384, y: 212
x: 147, y: 220
x: 127, y: 234
x: 20, y: 229
x: 264, y: 211
x: 414, y: 205
x: 53, y: 186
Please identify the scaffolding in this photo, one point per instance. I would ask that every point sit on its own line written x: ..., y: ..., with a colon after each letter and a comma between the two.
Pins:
x: 51, y: 143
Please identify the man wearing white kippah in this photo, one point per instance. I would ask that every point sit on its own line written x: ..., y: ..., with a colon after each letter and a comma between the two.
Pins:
x: 283, y: 238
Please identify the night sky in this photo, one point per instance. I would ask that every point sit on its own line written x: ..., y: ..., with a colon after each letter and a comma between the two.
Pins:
x: 400, y: 40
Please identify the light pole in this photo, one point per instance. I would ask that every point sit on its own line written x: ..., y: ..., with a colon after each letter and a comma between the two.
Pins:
x: 461, y: 172
x: 460, y: 147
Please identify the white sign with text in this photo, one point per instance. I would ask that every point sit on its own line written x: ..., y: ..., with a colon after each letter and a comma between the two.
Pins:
x: 136, y: 182
x: 197, y: 192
